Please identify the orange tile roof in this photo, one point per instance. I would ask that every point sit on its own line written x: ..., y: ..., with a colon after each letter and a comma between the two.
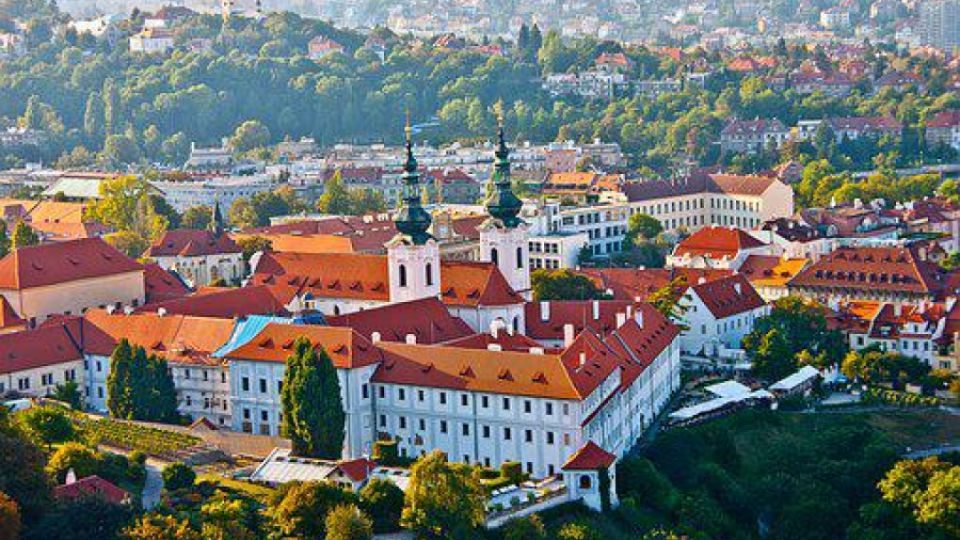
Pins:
x: 579, y: 313
x: 177, y: 338
x: 506, y: 341
x: 161, y: 285
x: 229, y: 302
x: 589, y: 457
x: 308, y: 243
x: 497, y: 372
x: 347, y: 349
x: 728, y: 296
x: 771, y: 270
x: 716, y: 243
x: 873, y: 268
x: 60, y: 262
x: 475, y: 284
x: 31, y: 349
x: 427, y: 319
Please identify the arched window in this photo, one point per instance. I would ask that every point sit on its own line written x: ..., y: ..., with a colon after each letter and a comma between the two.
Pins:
x: 336, y: 309
x: 403, y: 275
x: 516, y: 324
x: 519, y: 257
x: 585, y: 482
x: 494, y: 256
x: 429, y: 274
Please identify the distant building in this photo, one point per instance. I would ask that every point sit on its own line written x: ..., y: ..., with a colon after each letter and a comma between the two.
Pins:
x: 557, y: 250
x: 944, y: 128
x: 835, y: 18
x: 752, y: 136
x: 940, y: 23
x: 152, y: 41
x: 200, y: 257
x: 320, y: 47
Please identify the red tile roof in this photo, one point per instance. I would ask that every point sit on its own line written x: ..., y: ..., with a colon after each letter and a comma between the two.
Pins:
x: 497, y: 372
x: 61, y: 262
x: 161, y: 285
x: 944, y: 119
x: 356, y: 469
x: 639, y: 283
x: 178, y: 338
x: 505, y: 340
x: 475, y: 284
x: 716, y: 243
x: 229, y: 302
x: 873, y: 269
x: 31, y: 349
x: 191, y: 243
x: 427, y: 319
x: 346, y: 348
x: 8, y: 316
x: 589, y: 457
x: 728, y: 296
x: 91, y: 486
x: 699, y: 182
x: 579, y: 313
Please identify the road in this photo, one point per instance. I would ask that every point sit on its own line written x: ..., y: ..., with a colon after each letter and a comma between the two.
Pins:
x: 153, y: 484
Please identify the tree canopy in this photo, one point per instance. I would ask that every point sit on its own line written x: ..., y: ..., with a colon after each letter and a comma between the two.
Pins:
x: 313, y: 415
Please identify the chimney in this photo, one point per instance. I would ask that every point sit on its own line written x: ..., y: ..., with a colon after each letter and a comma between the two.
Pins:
x: 639, y: 318
x: 596, y: 310
x: 701, y: 280
x: 621, y: 319
x: 375, y: 337
x: 161, y: 312
x: 495, y: 327
x: 536, y: 350
x: 567, y: 335
x: 71, y: 477
x: 583, y: 358
x: 494, y: 347
x: 411, y: 339
x: 630, y: 309
x: 897, y: 309
x: 127, y: 310
x: 110, y: 309
x: 738, y: 288
x: 544, y: 311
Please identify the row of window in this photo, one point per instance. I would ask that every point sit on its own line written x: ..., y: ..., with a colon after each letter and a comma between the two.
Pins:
x: 506, y: 433
x: 485, y: 402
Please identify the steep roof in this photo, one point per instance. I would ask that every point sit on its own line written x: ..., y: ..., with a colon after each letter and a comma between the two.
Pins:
x: 427, y: 319
x: 589, y: 457
x: 30, y: 349
x: 496, y: 372
x: 728, y: 296
x: 699, y: 182
x: 61, y: 262
x: 91, y: 486
x: 716, y: 243
x: 873, y: 268
x: 346, y: 348
x: 191, y: 243
x: 545, y: 320
x: 160, y: 285
x: 475, y: 284
x: 229, y: 302
x: 638, y: 283
x: 771, y: 270
x: 507, y: 341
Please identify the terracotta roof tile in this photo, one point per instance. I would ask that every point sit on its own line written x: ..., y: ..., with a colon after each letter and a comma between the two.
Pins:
x: 161, y: 285
x: 589, y: 457
x: 870, y: 268
x: 427, y: 319
x: 30, y: 349
x: 728, y: 296
x: 716, y: 243
x: 177, y: 338
x: 61, y: 262
x: 191, y: 243
x: 91, y: 486
x: 229, y: 302
x: 346, y: 348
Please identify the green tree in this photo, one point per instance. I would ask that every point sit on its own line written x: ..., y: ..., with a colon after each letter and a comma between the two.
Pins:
x: 5, y: 243
x: 928, y: 488
x: 382, y: 500
x: 196, y: 217
x: 772, y: 357
x: 443, y: 500
x: 313, y: 416
x: 9, y: 518
x: 22, y: 474
x: 160, y: 527
x: 347, y: 522
x: 88, y: 517
x: 83, y: 460
x: 47, y: 425
x: 336, y: 198
x: 642, y: 227
x: 120, y: 150
x: 668, y: 300
x: 562, y: 284
x: 227, y: 520
x: 250, y: 245
x: 24, y: 236
x: 249, y: 135
x: 800, y: 325
x: 525, y: 528
x: 299, y: 509
x: 139, y: 386
x: 177, y: 476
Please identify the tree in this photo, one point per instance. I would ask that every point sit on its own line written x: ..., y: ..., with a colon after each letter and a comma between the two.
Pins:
x: 642, y: 227
x: 242, y: 214
x: 196, y: 217
x: 24, y: 235
x: 382, y: 500
x: 667, y: 299
x: 227, y: 520
x: 336, y: 198
x: 443, y: 500
x: 160, y: 527
x: 22, y: 475
x: 928, y: 488
x: 119, y: 150
x: 250, y: 245
x: 9, y: 518
x: 525, y: 528
x: 299, y: 509
x: 139, y: 386
x: 562, y: 284
x: 129, y: 243
x: 313, y: 416
x: 249, y: 135
x: 5, y: 243
x: 347, y: 522
x: 47, y: 425
x: 83, y: 460
x: 127, y: 204
x: 801, y: 324
x: 88, y: 517
x: 177, y: 476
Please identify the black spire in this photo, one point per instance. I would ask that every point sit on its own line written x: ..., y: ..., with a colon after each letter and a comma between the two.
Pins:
x: 503, y: 204
x: 412, y: 220
x: 216, y: 219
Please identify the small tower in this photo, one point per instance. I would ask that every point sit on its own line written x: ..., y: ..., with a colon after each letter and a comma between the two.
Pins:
x: 504, y: 236
x: 413, y: 256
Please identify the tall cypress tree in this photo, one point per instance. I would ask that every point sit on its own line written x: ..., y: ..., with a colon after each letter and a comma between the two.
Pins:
x: 118, y: 381
x: 164, y: 392
x: 313, y: 416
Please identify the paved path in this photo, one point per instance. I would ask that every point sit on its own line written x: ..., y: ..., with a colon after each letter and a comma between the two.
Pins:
x: 153, y: 484
x: 920, y: 454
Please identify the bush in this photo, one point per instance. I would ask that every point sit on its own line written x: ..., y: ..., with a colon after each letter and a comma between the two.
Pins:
x: 178, y: 476
x: 513, y: 471
x: 496, y: 483
x: 382, y: 500
x: 84, y: 461
x: 386, y: 453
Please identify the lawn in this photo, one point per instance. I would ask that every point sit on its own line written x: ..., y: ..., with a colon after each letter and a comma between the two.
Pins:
x: 256, y: 491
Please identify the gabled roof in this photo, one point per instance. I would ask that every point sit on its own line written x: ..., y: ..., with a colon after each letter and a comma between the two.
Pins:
x: 160, y: 285
x: 61, y: 262
x: 944, y: 119
x: 427, y: 319
x: 716, y: 243
x: 589, y: 457
x: 632, y: 284
x: 496, y: 372
x: 874, y: 269
x: 42, y: 347
x: 505, y: 340
x: 699, y: 182
x: 475, y: 284
x: 192, y: 243
x: 579, y: 313
x: 771, y: 270
x: 229, y: 302
x: 347, y: 349
x: 91, y: 486
x: 8, y: 316
x: 728, y: 296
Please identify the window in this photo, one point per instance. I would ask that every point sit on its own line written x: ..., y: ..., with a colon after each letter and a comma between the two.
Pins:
x: 464, y: 400
x: 264, y: 416
x: 494, y: 256
x: 223, y: 376
x: 466, y: 430
x: 507, y: 435
x: 527, y: 435
x: 443, y: 426
x: 548, y: 408
x: 549, y: 437
x: 46, y: 379
x: 423, y: 424
x: 519, y: 257
x: 486, y: 432
x: 279, y: 387
x: 403, y: 275
x: 186, y: 374
x: 429, y: 272
x: 246, y: 414
x: 506, y: 404
x: 100, y: 392
x: 420, y: 395
x: 383, y: 420
x: 585, y: 481
x: 527, y: 406
x: 443, y: 398
x: 484, y: 402
x: 401, y: 394
x: 403, y: 422
x: 263, y: 386
x: 365, y: 391
x: 245, y: 384
x: 382, y: 392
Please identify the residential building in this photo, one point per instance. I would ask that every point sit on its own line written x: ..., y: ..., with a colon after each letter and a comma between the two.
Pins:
x: 208, y: 191
x: 944, y: 128
x: 557, y: 250
x: 719, y: 313
x: 752, y: 136
x: 152, y: 41
x: 940, y: 23
x: 911, y: 329
x: 67, y: 278
x: 717, y: 247
x: 320, y: 47
x: 34, y: 362
x: 200, y: 257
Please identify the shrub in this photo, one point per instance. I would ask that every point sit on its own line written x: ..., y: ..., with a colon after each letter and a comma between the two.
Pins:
x: 178, y: 476
x: 386, y: 453
x: 496, y: 483
x: 82, y: 459
x: 513, y: 471
x: 382, y: 500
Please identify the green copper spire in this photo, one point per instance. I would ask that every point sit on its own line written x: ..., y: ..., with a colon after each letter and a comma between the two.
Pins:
x: 503, y: 204
x: 412, y: 220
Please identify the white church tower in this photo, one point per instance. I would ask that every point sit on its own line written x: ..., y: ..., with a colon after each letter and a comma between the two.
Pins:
x: 504, y: 237
x: 413, y: 256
